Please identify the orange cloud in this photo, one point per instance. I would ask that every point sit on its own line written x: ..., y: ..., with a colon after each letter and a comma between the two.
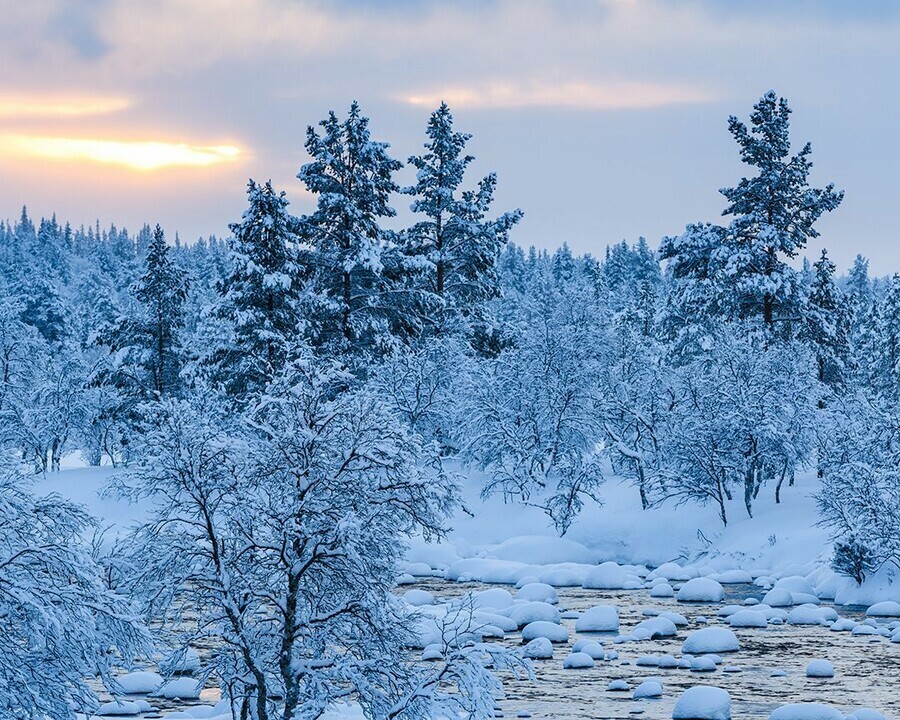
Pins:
x: 577, y: 95
x: 15, y: 106
x: 135, y: 155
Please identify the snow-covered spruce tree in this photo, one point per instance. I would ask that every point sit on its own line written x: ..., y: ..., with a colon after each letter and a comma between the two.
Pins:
x: 365, y: 302
x: 259, y: 313
x: 529, y: 417
x: 144, y: 342
x: 743, y: 265
x: 282, y: 531
x: 59, y: 624
x: 456, y: 246
x: 743, y: 417
x: 828, y: 324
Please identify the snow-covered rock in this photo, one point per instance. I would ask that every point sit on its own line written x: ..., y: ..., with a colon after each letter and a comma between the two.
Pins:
x: 543, y: 629
x: 710, y: 640
x: 183, y: 688
x: 811, y: 615
x: 662, y: 590
x: 703, y: 702
x: 119, y: 708
x: 748, y: 619
x: 140, y: 683
x: 796, y: 584
x: 701, y: 590
x: 819, y: 669
x: 806, y: 711
x: 607, y: 576
x: 865, y: 714
x: 778, y: 597
x: 578, y: 660
x: 182, y: 662
x: 537, y: 592
x: 648, y: 689
x: 733, y: 577
x: 656, y: 627
x: 530, y: 612
x: 618, y: 686
x: 539, y: 649
x: 599, y: 618
x: 416, y: 597
x: 704, y: 663
x: 495, y: 598
x: 888, y: 608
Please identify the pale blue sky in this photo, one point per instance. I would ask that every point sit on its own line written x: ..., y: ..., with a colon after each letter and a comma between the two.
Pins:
x: 604, y: 119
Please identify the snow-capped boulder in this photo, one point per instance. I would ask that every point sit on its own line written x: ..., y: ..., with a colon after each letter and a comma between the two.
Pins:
x: 806, y: 711
x: 748, y: 619
x: 704, y: 663
x: 485, y: 617
x: 667, y: 662
x: 809, y: 615
x: 182, y: 662
x: 710, y: 640
x: 537, y: 592
x: 599, y: 618
x: 496, y: 598
x: 530, y: 612
x: 118, y: 708
x: 416, y: 597
x: 888, y: 608
x: 577, y: 661
x: 662, y: 590
x: 865, y: 714
x: 673, y: 571
x: 703, y: 702
x: 677, y: 618
x: 539, y: 649
x: 183, y: 688
x: 433, y: 652
x: 843, y: 625
x: 564, y: 575
x: 648, y: 689
x: 608, y: 576
x: 543, y: 629
x: 647, y: 661
x: 778, y: 597
x: 595, y: 650
x: 140, y: 683
x: 618, y: 686
x: 701, y: 590
x: 733, y: 577
x: 656, y: 627
x: 796, y: 584
x: 819, y: 669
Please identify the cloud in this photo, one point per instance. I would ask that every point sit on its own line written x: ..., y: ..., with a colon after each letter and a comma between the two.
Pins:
x: 35, y: 105
x: 584, y: 95
x: 135, y: 155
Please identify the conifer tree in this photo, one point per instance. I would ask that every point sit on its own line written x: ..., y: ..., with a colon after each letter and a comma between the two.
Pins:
x: 459, y: 245
x: 828, y: 323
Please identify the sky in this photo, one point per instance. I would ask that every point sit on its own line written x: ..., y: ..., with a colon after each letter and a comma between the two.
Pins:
x: 604, y: 119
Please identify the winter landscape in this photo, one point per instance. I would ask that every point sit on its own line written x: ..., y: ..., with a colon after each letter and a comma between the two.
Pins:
x: 377, y: 448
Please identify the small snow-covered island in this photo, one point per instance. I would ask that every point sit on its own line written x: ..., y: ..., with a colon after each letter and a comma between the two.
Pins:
x: 355, y: 405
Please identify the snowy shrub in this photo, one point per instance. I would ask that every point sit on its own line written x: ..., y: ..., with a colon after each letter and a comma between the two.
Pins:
x: 281, y: 531
x: 59, y: 624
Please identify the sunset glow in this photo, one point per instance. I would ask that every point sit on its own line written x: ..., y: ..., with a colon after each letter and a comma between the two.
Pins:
x: 136, y: 155
x: 13, y: 106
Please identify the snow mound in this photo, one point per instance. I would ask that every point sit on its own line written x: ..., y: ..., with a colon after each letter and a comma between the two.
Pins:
x: 778, y: 597
x: 806, y: 711
x: 701, y: 590
x: 578, y: 660
x: 796, y: 584
x: 733, y: 577
x: 543, y: 629
x: 673, y: 571
x: 600, y: 618
x: 888, y: 608
x: 496, y: 598
x: 608, y: 576
x: 811, y: 615
x: 140, y: 683
x: 748, y: 619
x: 617, y: 686
x: 655, y: 628
x: 530, y: 612
x: 710, y: 640
x: 543, y: 550
x: 417, y: 597
x: 820, y: 669
x: 183, y: 688
x: 537, y: 592
x: 539, y: 649
x: 663, y: 590
x: 703, y: 702
x: 865, y: 714
x: 119, y: 708
x: 648, y: 689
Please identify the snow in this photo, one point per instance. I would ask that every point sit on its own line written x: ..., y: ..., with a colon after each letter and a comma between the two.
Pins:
x: 710, y: 640
x: 778, y: 597
x: 701, y: 590
x: 599, y: 618
x: 118, y: 708
x: 539, y: 649
x: 495, y: 598
x: 806, y: 711
x: 703, y: 702
x: 887, y: 608
x: 416, y: 597
x: 663, y: 590
x: 140, y: 683
x: 543, y: 629
x: 819, y: 669
x: 748, y: 619
x: 607, y: 576
x: 543, y: 550
x: 530, y: 612
x: 183, y: 688
x: 648, y: 689
x: 578, y: 660
x: 537, y: 592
